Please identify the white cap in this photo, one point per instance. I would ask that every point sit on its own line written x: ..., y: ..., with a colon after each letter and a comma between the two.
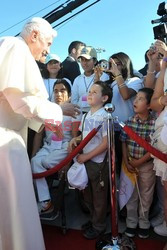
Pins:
x: 77, y: 176
x: 52, y: 57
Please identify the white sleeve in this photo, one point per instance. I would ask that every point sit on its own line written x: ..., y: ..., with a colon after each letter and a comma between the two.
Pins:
x: 35, y: 125
x: 31, y: 106
x: 135, y: 83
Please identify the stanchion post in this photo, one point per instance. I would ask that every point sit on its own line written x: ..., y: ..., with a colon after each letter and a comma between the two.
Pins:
x: 113, y: 241
x: 112, y: 177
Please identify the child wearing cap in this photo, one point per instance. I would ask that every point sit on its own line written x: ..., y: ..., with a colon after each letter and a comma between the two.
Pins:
x: 139, y: 162
x: 51, y: 73
x: 94, y: 158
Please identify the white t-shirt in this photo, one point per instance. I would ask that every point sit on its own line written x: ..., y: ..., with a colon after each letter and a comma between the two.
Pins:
x: 81, y: 88
x: 124, y: 108
x: 67, y: 129
x: 93, y: 121
x: 49, y: 83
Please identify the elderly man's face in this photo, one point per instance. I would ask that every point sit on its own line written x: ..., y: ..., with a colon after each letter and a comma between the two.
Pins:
x: 40, y: 45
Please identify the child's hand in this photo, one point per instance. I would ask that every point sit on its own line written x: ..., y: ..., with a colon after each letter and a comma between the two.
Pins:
x: 131, y: 169
x: 72, y: 144
x: 134, y: 163
x: 82, y: 158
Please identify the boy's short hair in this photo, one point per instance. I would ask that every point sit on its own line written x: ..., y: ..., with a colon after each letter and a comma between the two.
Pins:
x: 65, y: 83
x: 106, y: 90
x: 148, y: 92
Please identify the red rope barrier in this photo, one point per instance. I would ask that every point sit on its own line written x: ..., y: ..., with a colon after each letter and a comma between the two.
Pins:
x: 145, y: 144
x: 69, y: 157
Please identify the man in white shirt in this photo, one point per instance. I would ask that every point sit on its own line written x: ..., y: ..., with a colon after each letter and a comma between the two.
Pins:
x: 23, y: 104
x: 83, y: 82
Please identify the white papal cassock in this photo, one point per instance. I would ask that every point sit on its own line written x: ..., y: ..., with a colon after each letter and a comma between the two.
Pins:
x: 23, y: 104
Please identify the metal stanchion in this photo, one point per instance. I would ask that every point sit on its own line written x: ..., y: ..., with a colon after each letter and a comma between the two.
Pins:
x: 113, y: 241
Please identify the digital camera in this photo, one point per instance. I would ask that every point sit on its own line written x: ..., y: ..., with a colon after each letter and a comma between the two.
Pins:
x: 153, y: 47
x: 104, y: 65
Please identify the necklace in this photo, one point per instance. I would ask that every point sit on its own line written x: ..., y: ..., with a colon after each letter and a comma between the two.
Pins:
x: 87, y: 86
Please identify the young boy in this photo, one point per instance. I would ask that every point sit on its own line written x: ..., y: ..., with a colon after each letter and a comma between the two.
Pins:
x: 139, y: 161
x: 54, y: 150
x: 93, y: 156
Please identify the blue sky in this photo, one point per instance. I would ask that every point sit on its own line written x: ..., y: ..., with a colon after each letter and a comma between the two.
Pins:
x: 115, y: 25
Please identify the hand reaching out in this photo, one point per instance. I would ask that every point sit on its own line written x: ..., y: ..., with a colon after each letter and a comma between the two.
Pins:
x: 114, y: 68
x: 70, y: 109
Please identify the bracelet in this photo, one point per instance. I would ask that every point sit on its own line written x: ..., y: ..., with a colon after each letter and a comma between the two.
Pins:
x: 159, y: 100
x: 151, y: 72
x: 121, y: 85
x: 119, y: 75
x: 165, y: 59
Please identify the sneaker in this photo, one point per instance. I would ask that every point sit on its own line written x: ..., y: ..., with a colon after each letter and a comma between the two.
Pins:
x: 161, y: 229
x: 130, y: 232
x: 45, y: 207
x: 143, y: 233
x: 91, y: 233
x: 157, y: 220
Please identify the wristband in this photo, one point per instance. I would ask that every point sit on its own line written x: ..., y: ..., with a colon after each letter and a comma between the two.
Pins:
x: 151, y: 72
x: 118, y: 75
x: 121, y: 85
x: 159, y: 100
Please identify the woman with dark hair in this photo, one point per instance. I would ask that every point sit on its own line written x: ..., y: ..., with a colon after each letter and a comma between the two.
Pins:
x: 125, y: 85
x: 51, y: 73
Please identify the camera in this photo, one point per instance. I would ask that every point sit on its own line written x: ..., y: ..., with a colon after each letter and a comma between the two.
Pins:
x: 160, y: 31
x: 153, y: 48
x: 104, y: 65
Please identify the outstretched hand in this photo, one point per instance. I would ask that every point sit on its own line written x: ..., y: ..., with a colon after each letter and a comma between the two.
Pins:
x: 70, y: 109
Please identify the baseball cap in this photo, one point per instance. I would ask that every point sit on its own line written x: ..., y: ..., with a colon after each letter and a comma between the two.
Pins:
x: 52, y: 57
x: 77, y: 176
x: 88, y: 52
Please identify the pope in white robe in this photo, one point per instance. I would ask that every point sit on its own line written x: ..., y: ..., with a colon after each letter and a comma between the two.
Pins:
x: 23, y: 104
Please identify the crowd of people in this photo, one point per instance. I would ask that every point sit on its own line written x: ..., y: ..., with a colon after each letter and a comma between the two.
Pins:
x: 38, y: 91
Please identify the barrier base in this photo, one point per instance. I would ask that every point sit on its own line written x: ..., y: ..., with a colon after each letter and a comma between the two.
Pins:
x: 122, y: 242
